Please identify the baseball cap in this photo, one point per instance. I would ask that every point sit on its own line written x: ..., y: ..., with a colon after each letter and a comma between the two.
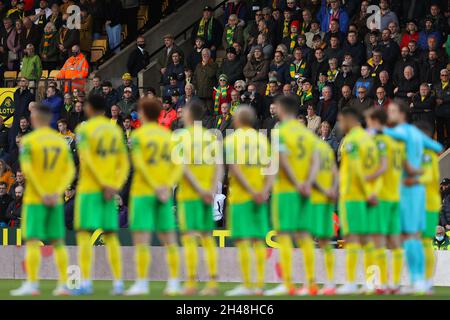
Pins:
x: 207, y: 8
x: 231, y: 50
x: 223, y: 77
x: 127, y: 89
x: 445, y: 181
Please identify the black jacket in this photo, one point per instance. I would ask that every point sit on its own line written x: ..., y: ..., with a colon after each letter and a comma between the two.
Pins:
x: 137, y: 61
x: 442, y: 110
x: 358, y: 52
x: 233, y: 70
x: 4, y: 203
x: 14, y: 212
x: 22, y: 99
x: 74, y: 119
x: 400, y: 67
x: 327, y: 111
x: 406, y: 86
x: 430, y: 71
x: 445, y: 210
x: 111, y: 99
x: 215, y: 39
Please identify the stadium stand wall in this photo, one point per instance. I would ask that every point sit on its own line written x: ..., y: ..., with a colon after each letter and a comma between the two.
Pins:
x: 12, y: 262
x: 444, y: 164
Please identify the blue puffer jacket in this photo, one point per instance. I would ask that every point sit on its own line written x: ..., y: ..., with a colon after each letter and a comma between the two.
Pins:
x: 324, y: 18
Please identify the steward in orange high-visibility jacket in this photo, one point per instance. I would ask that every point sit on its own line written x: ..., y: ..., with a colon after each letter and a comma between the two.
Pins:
x: 76, y: 68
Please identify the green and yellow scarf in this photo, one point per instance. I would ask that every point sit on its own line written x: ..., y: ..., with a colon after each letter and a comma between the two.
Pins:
x: 306, y: 96
x: 201, y: 29
x: 230, y: 35
x: 234, y: 106
x: 220, y: 92
x: 297, y: 69
x: 286, y: 28
x: 293, y: 41
x: 47, y: 41
x: 331, y: 74
x: 221, y: 119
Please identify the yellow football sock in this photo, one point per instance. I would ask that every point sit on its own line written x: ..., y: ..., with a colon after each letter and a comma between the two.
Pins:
x: 33, y: 260
x: 260, y: 254
x: 62, y: 262
x: 329, y: 262
x: 209, y: 247
x: 143, y: 259
x: 430, y: 259
x: 381, y: 258
x: 84, y: 254
x: 286, y: 248
x: 173, y: 261
x: 191, y: 259
x: 114, y: 255
x: 352, y: 260
x: 245, y: 261
x: 397, y: 265
x: 369, y: 257
x: 307, y: 246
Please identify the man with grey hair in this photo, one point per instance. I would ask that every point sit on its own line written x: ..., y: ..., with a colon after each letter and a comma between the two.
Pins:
x: 204, y: 78
x: 327, y: 108
x: 442, y: 93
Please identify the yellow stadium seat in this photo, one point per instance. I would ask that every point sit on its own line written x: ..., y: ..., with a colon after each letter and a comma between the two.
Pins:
x: 10, y: 75
x: 44, y: 74
x: 53, y: 74
x: 124, y: 33
x: 96, y: 54
x: 100, y: 44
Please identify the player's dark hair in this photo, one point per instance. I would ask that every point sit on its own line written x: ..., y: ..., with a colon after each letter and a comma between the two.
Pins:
x: 62, y: 121
x: 425, y: 127
x: 151, y: 107
x: 246, y: 115
x: 3, y: 183
x: 196, y: 110
x: 43, y: 110
x: 288, y: 104
x: 97, y: 102
x: 351, y: 112
x: 402, y: 106
x: 378, y: 114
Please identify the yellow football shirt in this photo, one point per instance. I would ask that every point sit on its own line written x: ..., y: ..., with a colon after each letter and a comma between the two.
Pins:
x: 359, y: 159
x: 324, y: 176
x: 103, y: 155
x: 298, y: 143
x: 430, y: 179
x: 151, y: 152
x: 47, y: 164
x: 248, y: 149
x: 391, y: 179
x: 200, y: 152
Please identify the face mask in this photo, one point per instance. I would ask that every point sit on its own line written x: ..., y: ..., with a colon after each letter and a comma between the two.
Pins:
x: 142, y: 46
x: 439, y: 238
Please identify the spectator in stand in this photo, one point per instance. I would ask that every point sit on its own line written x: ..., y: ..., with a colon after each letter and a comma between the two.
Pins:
x: 85, y: 31
x: 330, y: 10
x: 41, y: 14
x: 381, y: 101
x: 233, y: 32
x: 178, y: 123
x: 127, y: 104
x: 346, y: 97
x: 231, y: 66
x: 313, y: 31
x: 209, y: 29
x: 362, y: 102
x: 327, y: 108
x: 360, y: 19
x: 175, y: 67
x: 334, y: 32
x: 403, y: 61
x: 116, y: 115
x: 355, y: 48
x: 112, y: 11
x: 239, y: 8
x: 224, y: 120
x: 65, y: 132
x: 76, y: 117
x: 291, y: 39
x: 31, y: 66
x: 262, y: 41
x: 111, y: 96
x: 389, y: 50
x: 69, y: 207
x: 385, y: 82
x: 442, y: 93
x: 195, y: 57
x: 16, y: 12
x: 430, y: 68
x: 4, y: 139
x: 48, y: 49
x: 22, y: 98
x: 174, y: 86
x: 14, y: 46
x: 205, y: 78
x: 188, y: 94
x: 55, y: 102
x: 127, y: 129
x: 168, y: 114
x: 14, y: 210
x: 235, y: 101
x: 271, y: 120
x: 75, y: 70
x: 19, y: 180
x: 67, y: 106
x: 280, y: 66
x: 127, y: 82
x: 5, y: 200
x: 410, y: 34
x: 31, y: 33
x: 67, y: 39
x: 6, y: 174
x: 325, y: 135
x: 56, y: 14
x: 408, y: 86
x: 221, y: 94
x: 313, y: 119
x: 24, y: 126
x: 387, y: 16
x: 271, y: 93
x: 441, y: 240
x: 256, y: 70
x: 139, y: 58
x: 445, y: 210
x: 423, y: 106
x: 376, y: 64
x: 165, y: 57
x: 13, y: 159
x: 96, y: 86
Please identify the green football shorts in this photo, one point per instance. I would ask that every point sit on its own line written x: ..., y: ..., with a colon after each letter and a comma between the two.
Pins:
x: 384, y: 218
x: 148, y: 214
x: 195, y: 215
x: 43, y: 223
x: 353, y: 217
x: 93, y: 212
x: 432, y: 220
x: 322, y: 220
x: 290, y: 212
x: 248, y: 220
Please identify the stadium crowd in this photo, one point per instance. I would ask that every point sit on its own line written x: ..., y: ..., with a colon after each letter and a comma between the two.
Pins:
x: 329, y: 54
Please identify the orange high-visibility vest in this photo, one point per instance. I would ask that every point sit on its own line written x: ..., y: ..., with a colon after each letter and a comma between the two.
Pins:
x: 76, y: 68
